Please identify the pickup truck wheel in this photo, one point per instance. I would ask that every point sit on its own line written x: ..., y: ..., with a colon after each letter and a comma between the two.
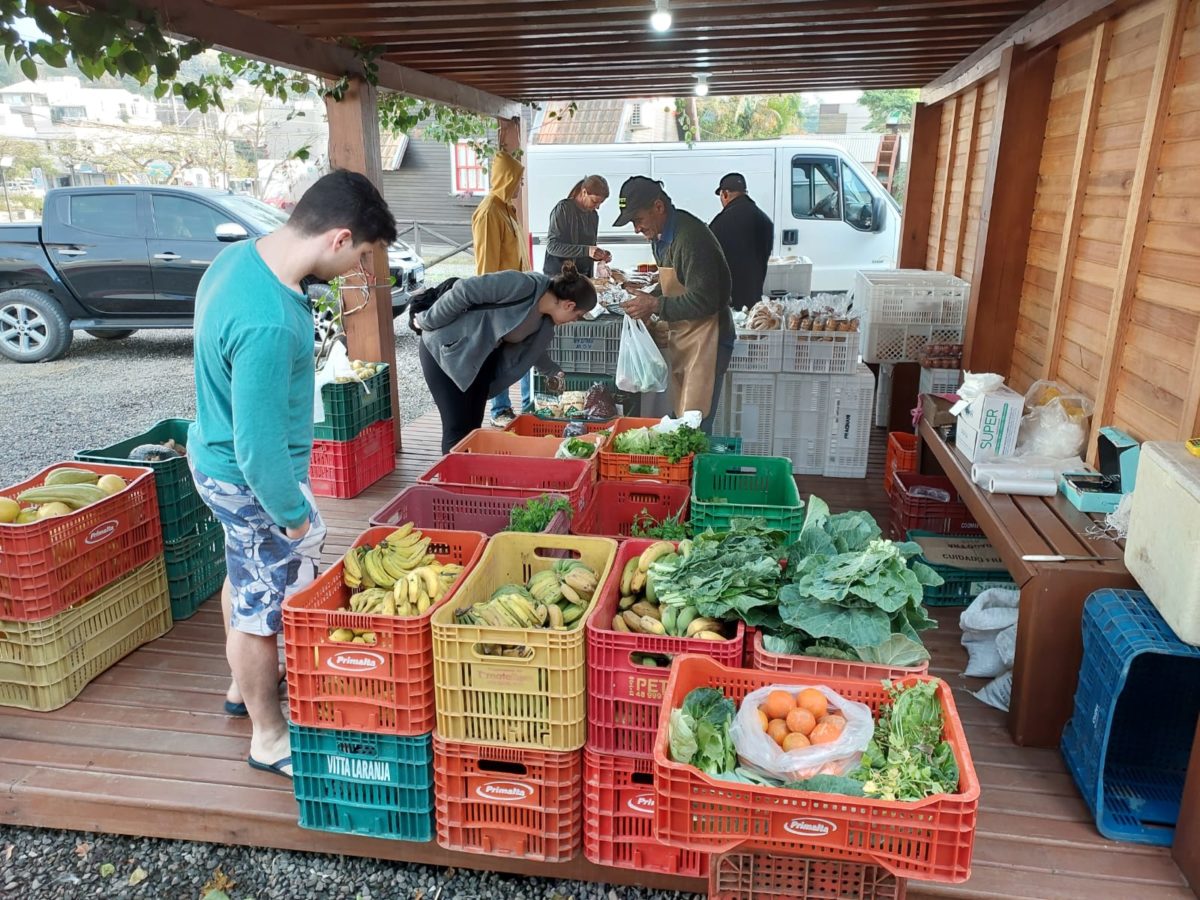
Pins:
x: 33, y: 327
x: 111, y: 334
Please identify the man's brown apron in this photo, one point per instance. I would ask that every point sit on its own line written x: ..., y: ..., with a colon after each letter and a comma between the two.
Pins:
x: 693, y: 353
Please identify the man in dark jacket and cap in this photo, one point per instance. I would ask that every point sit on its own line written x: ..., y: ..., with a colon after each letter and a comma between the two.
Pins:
x: 747, y: 235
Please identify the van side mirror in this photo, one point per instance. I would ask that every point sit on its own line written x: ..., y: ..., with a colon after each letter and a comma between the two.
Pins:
x: 228, y: 232
x: 878, y: 214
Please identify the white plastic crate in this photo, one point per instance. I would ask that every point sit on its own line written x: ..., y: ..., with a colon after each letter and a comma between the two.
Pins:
x: 820, y: 352
x: 757, y: 351
x: 903, y: 343
x: 802, y: 422
x: 591, y: 347
x: 721, y: 417
x: 750, y: 408
x: 793, y: 277
x: 940, y: 381
x: 851, y: 400
x: 905, y: 309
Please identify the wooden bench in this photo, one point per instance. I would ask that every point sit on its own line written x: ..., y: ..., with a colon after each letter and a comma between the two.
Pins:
x: 1049, y: 644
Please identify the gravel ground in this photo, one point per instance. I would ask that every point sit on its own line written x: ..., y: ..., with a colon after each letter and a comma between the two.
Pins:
x: 65, y: 865
x: 102, y: 392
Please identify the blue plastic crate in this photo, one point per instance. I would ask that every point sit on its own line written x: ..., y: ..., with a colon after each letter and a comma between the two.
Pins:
x: 1130, y: 737
x: 377, y: 785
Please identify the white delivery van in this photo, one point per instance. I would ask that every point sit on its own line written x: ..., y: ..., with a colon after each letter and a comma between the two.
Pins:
x: 825, y: 204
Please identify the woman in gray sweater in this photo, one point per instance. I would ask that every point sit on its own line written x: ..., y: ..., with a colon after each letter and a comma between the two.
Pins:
x: 486, y: 332
x: 574, y: 225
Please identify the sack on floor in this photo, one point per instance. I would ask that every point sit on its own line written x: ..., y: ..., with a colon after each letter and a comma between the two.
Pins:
x: 993, y: 611
x: 640, y: 364
x: 997, y: 692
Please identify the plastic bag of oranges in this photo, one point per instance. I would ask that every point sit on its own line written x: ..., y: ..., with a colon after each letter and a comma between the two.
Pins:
x: 792, y: 732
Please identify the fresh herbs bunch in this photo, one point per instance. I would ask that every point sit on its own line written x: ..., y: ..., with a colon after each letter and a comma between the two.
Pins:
x: 535, y: 514
x: 674, y: 445
x: 699, y: 732
x: 672, y: 528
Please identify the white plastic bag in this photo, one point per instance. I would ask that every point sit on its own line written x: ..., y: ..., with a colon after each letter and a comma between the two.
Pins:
x: 758, y: 751
x: 992, y: 612
x: 337, y: 365
x: 640, y: 364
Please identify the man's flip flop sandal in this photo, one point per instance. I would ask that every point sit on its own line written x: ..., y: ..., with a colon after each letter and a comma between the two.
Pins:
x: 276, y: 767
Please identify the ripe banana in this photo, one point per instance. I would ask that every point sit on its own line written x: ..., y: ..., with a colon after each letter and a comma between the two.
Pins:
x: 650, y: 625
x: 627, y: 576
x: 618, y: 623
x: 653, y: 552
x: 634, y: 621
x: 700, y: 624
x: 642, y: 608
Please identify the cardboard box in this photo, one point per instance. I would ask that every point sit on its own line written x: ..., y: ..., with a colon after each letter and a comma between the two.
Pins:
x: 989, y: 426
x: 936, y: 410
x: 1092, y: 492
x: 968, y: 553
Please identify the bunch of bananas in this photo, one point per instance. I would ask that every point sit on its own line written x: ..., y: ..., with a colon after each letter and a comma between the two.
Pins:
x: 555, y: 598
x: 638, y: 610
x: 398, y: 576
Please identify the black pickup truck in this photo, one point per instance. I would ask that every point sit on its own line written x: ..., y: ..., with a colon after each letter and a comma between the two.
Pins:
x: 112, y: 260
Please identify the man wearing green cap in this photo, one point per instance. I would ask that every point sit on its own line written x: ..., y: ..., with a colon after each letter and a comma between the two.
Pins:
x: 692, y: 294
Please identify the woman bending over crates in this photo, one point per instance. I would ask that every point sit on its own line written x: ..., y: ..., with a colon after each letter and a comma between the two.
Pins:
x: 482, y: 334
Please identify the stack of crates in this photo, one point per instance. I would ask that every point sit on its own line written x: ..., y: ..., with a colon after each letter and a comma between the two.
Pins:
x: 355, y: 445
x: 512, y: 711
x: 907, y: 309
x: 361, y: 712
x: 193, y: 541
x: 587, y: 352
x: 79, y: 591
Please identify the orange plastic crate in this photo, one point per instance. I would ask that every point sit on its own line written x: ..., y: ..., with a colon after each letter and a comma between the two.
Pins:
x: 385, y: 687
x: 775, y: 876
x: 618, y: 466
x: 618, y: 808
x: 535, y: 426
x: 507, y: 443
x: 508, y: 801
x: 931, y: 839
x: 48, y: 566
x: 819, y: 667
x: 614, y: 505
x: 901, y: 457
x: 624, y: 697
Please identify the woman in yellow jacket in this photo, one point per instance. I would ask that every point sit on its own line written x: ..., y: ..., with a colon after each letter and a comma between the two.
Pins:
x: 501, y: 244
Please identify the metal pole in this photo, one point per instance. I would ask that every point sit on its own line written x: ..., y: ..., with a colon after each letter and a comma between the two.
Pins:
x: 7, y: 205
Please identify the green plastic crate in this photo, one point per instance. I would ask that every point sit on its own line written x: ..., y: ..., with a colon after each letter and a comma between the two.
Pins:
x: 180, y: 508
x: 195, y: 569
x: 629, y: 402
x: 962, y: 585
x: 349, y: 408
x: 376, y: 785
x: 727, y: 487
x: 718, y: 444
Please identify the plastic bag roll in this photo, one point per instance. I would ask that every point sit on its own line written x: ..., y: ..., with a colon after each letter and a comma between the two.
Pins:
x: 1030, y: 486
x: 982, y: 471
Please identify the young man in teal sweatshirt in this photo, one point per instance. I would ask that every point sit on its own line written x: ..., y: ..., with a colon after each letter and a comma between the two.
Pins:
x: 250, y: 444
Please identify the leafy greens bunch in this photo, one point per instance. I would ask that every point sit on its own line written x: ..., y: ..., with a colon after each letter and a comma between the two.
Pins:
x: 699, y: 732
x: 672, y: 528
x: 535, y: 514
x: 674, y: 445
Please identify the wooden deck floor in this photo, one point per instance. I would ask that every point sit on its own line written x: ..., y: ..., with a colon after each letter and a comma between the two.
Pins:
x: 145, y: 750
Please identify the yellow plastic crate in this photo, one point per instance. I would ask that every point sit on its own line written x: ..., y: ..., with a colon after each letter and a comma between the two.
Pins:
x: 536, y: 701
x: 44, y: 665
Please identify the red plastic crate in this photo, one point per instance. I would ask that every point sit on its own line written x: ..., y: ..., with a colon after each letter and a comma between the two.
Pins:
x: 614, y: 504
x: 931, y: 839
x: 618, y: 808
x: 345, y: 469
x: 775, y: 876
x: 385, y: 687
x: 923, y: 514
x: 508, y: 801
x: 507, y: 443
x: 512, y: 476
x: 427, y: 506
x: 901, y: 457
x: 819, y: 667
x: 48, y: 566
x: 616, y: 466
x: 625, y: 698
x: 535, y: 426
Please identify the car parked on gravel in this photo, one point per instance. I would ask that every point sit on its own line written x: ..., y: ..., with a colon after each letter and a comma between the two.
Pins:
x: 111, y: 260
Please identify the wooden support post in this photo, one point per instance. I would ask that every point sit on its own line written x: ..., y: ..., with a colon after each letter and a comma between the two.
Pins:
x: 354, y: 146
x: 1009, y: 187
x: 968, y: 177
x: 1138, y: 216
x: 951, y: 154
x: 1064, y: 271
x: 918, y: 194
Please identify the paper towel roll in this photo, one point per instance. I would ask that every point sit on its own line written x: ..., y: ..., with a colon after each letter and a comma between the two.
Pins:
x: 982, y: 471
x: 1029, y: 486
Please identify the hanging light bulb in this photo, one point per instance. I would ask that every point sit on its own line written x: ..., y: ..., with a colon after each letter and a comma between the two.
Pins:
x: 661, y: 19
x: 701, y: 84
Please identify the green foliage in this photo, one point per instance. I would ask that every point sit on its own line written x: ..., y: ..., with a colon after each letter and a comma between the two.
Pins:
x: 699, y: 732
x: 672, y: 528
x: 908, y: 759
x: 674, y: 445
x: 535, y: 514
x: 751, y: 117
x: 401, y: 114
x: 889, y: 106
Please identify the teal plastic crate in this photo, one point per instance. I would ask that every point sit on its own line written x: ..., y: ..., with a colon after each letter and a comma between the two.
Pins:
x: 351, y: 782
x: 349, y: 408
x: 719, y: 444
x: 180, y: 508
x: 195, y: 569
x: 728, y: 486
x: 961, y: 585
x: 629, y: 402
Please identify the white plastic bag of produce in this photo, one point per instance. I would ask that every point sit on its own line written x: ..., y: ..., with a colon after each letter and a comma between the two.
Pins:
x: 640, y: 364
x: 336, y: 366
x: 826, y: 754
x: 992, y: 612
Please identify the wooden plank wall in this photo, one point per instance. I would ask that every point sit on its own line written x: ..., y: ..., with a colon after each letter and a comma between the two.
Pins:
x: 1109, y: 301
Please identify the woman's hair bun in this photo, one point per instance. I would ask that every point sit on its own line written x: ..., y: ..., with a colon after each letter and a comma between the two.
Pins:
x: 569, y: 271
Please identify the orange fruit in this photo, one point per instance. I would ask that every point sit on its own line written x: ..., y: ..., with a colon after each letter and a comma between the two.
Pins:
x: 814, y: 701
x: 777, y: 730
x: 801, y: 721
x: 763, y: 718
x: 795, y: 741
x: 825, y: 733
x: 834, y: 719
x: 778, y: 704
